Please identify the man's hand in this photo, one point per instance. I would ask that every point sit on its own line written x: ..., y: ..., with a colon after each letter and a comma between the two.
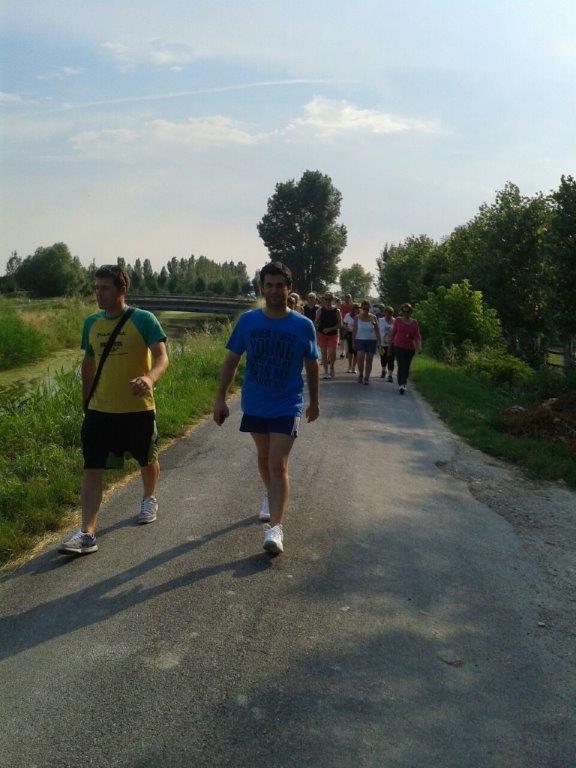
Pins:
x: 142, y: 385
x: 220, y: 412
x: 312, y: 413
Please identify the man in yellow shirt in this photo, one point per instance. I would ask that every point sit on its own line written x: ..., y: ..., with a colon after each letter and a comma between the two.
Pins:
x: 120, y: 416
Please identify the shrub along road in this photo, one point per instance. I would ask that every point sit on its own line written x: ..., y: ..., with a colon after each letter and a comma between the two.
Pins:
x: 402, y: 626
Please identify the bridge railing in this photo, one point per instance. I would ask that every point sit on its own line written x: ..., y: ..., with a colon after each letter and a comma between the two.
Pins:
x: 186, y: 303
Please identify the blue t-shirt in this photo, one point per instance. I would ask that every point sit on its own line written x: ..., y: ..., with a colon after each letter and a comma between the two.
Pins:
x: 275, y: 352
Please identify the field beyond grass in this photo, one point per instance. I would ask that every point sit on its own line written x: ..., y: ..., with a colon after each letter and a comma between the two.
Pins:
x: 40, y: 454
x: 472, y: 409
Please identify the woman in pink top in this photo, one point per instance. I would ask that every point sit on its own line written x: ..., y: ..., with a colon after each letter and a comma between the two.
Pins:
x: 406, y: 341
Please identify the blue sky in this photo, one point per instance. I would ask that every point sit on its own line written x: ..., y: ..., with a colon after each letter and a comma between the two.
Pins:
x: 153, y: 130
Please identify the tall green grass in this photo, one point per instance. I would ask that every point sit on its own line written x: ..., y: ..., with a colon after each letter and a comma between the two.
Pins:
x: 472, y: 408
x: 30, y: 332
x: 40, y: 454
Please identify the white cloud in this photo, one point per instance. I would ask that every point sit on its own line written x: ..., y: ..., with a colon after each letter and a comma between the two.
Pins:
x: 328, y: 118
x: 60, y: 73
x: 10, y: 98
x: 117, y: 142
x: 197, y: 133
x: 204, y: 131
x: 128, y: 56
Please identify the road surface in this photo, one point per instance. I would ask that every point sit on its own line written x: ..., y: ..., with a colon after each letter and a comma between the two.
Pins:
x: 399, y: 629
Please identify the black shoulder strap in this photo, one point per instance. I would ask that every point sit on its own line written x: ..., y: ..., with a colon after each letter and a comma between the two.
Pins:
x: 109, y: 344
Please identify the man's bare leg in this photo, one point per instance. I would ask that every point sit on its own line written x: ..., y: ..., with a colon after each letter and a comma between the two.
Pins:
x: 91, y: 498
x: 150, y: 474
x: 262, y: 445
x: 279, y: 483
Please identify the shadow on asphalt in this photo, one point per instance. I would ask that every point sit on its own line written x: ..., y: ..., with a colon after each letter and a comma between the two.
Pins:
x: 80, y: 609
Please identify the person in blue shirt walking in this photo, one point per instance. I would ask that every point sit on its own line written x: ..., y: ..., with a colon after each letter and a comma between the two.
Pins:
x: 277, y: 342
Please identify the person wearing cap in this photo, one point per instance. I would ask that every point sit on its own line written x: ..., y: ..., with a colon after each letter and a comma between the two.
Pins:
x: 120, y: 413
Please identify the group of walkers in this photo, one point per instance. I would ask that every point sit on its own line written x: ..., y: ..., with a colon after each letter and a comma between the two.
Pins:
x: 125, y: 355
x: 352, y: 328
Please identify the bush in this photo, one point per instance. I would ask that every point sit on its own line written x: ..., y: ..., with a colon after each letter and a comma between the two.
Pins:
x: 457, y: 318
x: 498, y: 367
x: 20, y: 343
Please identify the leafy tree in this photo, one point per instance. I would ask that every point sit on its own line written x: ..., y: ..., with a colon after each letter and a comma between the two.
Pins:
x: 300, y: 230
x: 407, y: 271
x: 51, y: 271
x: 457, y: 317
x: 163, y: 279
x: 356, y: 281
x: 561, y: 247
x: 8, y: 283
x: 136, y: 276
x: 511, y: 267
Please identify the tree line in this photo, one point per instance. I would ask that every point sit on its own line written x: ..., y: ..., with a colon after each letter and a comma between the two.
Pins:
x: 519, y: 252
x: 53, y: 271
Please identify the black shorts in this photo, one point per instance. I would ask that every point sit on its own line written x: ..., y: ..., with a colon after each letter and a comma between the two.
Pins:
x: 283, y: 425
x: 107, y: 437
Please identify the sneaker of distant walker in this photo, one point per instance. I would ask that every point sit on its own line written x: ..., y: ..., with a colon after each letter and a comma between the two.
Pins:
x: 264, y: 514
x: 273, y: 537
x: 80, y: 543
x: 390, y: 379
x: 148, y: 510
x: 402, y: 389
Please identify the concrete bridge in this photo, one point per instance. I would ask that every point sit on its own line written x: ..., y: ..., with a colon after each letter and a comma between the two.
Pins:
x: 177, y: 303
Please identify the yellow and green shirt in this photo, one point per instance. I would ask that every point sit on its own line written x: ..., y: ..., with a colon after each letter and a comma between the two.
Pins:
x: 129, y: 358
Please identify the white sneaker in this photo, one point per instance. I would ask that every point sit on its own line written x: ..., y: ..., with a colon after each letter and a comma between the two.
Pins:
x: 148, y: 510
x: 273, y: 539
x: 264, y: 514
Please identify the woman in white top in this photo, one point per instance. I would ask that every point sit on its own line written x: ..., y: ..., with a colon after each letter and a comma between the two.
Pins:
x: 348, y: 325
x: 385, y: 324
x: 366, y: 336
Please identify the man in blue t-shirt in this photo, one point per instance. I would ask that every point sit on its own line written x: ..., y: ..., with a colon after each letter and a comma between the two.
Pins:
x: 277, y: 342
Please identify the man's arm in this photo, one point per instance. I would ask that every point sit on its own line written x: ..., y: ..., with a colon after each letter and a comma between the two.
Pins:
x: 220, y: 410
x: 312, y: 377
x: 144, y: 384
x: 88, y: 371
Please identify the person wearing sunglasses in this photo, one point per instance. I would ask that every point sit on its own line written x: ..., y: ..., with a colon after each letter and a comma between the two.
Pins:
x: 124, y: 356
x: 406, y: 340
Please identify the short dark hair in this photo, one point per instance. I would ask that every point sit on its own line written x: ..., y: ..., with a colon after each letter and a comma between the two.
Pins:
x: 116, y: 273
x: 276, y: 268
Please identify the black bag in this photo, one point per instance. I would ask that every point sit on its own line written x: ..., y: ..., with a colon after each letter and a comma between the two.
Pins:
x: 109, y: 344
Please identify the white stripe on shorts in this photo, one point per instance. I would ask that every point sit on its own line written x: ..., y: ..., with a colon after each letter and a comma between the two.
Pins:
x: 295, y: 426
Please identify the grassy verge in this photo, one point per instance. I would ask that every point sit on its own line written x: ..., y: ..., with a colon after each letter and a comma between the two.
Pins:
x: 472, y: 408
x: 40, y: 456
x: 33, y: 330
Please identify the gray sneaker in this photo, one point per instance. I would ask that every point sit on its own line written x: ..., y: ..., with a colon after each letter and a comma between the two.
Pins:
x: 148, y: 510
x: 80, y: 543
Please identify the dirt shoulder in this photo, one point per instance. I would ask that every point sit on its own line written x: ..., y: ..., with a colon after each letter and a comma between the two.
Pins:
x: 544, y: 518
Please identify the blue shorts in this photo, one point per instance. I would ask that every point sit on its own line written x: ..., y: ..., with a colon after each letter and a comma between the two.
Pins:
x: 366, y: 345
x: 284, y: 425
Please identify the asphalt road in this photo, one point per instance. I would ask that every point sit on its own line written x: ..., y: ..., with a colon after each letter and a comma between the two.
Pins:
x: 398, y: 629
